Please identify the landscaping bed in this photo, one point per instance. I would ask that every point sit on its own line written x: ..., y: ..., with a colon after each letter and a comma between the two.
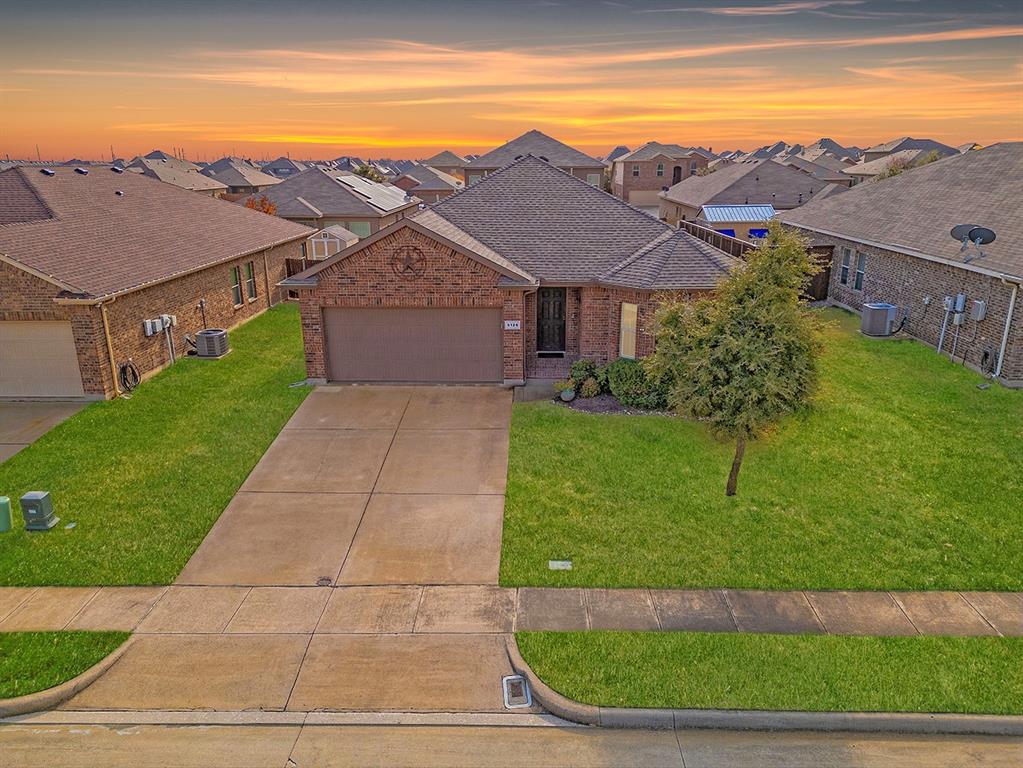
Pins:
x: 689, y: 670
x: 143, y: 479
x: 903, y: 475
x: 35, y: 661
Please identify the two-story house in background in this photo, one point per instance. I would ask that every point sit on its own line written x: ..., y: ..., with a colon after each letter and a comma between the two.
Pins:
x: 540, y: 145
x: 638, y: 177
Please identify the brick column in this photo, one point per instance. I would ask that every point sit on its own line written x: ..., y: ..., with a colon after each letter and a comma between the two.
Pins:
x: 512, y: 341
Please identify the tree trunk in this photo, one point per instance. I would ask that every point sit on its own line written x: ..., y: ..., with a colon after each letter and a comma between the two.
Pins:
x: 733, y: 476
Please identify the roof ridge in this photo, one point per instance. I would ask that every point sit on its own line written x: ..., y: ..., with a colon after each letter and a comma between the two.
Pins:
x: 639, y: 253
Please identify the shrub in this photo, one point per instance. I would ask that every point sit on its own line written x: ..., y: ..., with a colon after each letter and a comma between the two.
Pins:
x: 631, y: 386
x: 561, y: 386
x: 582, y: 370
x: 590, y: 387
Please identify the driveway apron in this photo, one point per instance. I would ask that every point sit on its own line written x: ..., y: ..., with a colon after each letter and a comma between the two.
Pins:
x: 313, y: 579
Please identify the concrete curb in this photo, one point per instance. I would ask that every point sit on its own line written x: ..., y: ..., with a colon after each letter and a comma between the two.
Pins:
x: 58, y: 694
x: 759, y: 720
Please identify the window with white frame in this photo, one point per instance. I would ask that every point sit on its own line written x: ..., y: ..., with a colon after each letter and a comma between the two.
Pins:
x: 861, y: 268
x: 692, y: 167
x: 635, y: 170
x: 593, y: 179
x: 843, y: 273
x: 660, y: 169
x: 236, y: 285
x: 250, y: 280
x: 627, y: 333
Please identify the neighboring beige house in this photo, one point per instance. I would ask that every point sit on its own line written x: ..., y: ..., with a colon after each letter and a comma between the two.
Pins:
x: 180, y: 173
x: 447, y: 162
x: 321, y: 198
x: 539, y: 145
x: 747, y: 182
x: 641, y: 175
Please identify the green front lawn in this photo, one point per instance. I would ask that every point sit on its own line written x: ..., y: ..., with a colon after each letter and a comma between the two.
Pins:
x: 904, y: 475
x: 144, y: 479
x: 35, y: 661
x: 685, y: 670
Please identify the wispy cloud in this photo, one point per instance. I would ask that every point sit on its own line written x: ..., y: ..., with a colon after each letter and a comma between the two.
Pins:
x: 771, y: 9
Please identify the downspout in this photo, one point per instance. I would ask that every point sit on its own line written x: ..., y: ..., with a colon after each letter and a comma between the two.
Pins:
x: 110, y: 347
x: 1005, y: 333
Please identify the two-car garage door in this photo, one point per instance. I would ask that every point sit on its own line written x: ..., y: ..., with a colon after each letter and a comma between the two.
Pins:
x: 413, y: 345
x: 38, y: 359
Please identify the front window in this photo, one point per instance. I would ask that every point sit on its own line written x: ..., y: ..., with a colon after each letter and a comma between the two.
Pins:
x: 861, y: 267
x: 843, y: 274
x: 361, y: 228
x: 593, y: 179
x: 250, y: 280
x: 236, y: 285
x: 627, y: 333
x: 692, y: 167
x: 660, y: 169
x: 635, y: 170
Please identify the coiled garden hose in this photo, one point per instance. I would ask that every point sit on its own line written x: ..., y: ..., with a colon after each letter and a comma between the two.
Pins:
x: 129, y: 376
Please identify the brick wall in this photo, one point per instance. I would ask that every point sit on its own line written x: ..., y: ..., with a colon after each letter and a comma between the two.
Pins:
x: 905, y: 281
x: 451, y: 279
x: 643, y: 189
x: 25, y: 297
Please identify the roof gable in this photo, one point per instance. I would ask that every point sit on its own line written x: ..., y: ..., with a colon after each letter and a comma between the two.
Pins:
x: 539, y: 145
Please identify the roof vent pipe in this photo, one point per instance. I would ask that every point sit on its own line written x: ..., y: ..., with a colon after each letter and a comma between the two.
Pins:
x: 82, y: 171
x: 47, y: 172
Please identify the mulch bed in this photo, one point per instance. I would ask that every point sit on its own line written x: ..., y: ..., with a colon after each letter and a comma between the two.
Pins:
x: 607, y: 404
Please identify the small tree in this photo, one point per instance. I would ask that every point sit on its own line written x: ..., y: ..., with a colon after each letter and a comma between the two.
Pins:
x: 368, y: 172
x: 746, y: 357
x: 263, y: 204
x: 900, y: 164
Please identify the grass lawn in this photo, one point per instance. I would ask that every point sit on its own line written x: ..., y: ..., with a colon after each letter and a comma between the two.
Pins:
x: 683, y: 670
x: 904, y: 475
x: 144, y: 479
x: 35, y: 661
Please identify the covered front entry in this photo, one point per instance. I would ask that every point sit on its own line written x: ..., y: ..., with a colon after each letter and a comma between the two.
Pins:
x: 428, y: 345
x: 38, y: 359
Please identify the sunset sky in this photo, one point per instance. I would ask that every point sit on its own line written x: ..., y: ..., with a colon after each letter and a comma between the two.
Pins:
x: 404, y: 79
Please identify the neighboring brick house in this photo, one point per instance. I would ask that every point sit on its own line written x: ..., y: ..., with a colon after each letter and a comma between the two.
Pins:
x: 747, y: 182
x: 513, y: 278
x: 242, y: 178
x: 427, y: 183
x: 891, y: 243
x: 321, y: 197
x: 539, y: 145
x: 86, y: 259
x: 180, y: 173
x: 641, y: 175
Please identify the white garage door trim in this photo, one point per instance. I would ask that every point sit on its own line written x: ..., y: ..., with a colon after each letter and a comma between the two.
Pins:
x: 38, y: 359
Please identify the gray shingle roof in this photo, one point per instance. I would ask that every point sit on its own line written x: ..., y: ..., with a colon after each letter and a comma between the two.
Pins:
x: 318, y: 192
x: 432, y: 180
x: 98, y: 243
x: 874, y: 167
x: 539, y: 145
x: 180, y: 173
x: 235, y: 172
x: 652, y: 149
x: 908, y: 142
x: 916, y: 209
x: 675, y: 261
x: 748, y: 182
x: 445, y: 159
x: 814, y: 169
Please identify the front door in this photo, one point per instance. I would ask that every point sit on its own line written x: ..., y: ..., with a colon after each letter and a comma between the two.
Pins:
x: 676, y: 174
x: 550, y: 320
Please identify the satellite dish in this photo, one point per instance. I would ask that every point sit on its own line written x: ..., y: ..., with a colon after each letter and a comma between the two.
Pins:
x: 960, y: 231
x: 981, y: 235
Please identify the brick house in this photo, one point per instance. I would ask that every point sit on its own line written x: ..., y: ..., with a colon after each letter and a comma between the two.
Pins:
x: 891, y: 243
x: 427, y: 183
x: 513, y: 278
x: 86, y: 258
x: 321, y: 198
x: 638, y: 177
x: 540, y: 145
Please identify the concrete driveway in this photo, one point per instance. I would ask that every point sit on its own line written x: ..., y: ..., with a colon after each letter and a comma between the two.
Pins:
x: 21, y: 424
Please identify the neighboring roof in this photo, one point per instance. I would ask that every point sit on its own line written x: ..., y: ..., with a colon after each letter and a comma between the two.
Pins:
x: 826, y: 145
x: 235, y: 172
x: 95, y: 242
x: 723, y: 213
x: 747, y: 182
x: 652, y: 149
x: 158, y: 154
x: 536, y: 223
x: 285, y: 164
x: 445, y: 159
x: 431, y: 180
x: 180, y: 173
x: 617, y: 152
x: 875, y: 167
x: 338, y: 231
x: 317, y: 192
x: 675, y: 261
x: 968, y: 147
x: 914, y: 211
x: 814, y: 169
x: 828, y: 160
x: 908, y: 142
x: 769, y: 151
x: 539, y: 145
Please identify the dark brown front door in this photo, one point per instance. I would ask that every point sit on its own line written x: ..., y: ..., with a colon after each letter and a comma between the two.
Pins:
x: 550, y: 320
x: 676, y: 174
